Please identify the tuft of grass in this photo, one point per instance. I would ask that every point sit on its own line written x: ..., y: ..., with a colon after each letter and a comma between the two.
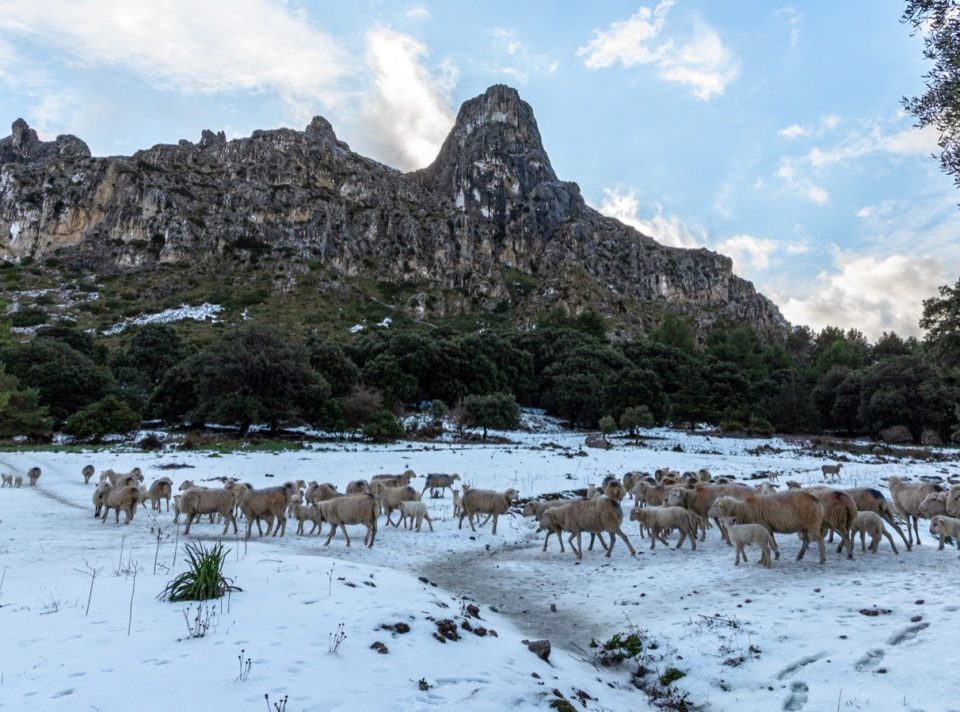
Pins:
x: 204, y: 579
x: 671, y: 675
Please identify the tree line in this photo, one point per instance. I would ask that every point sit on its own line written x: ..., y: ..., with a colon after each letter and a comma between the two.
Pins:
x: 831, y: 380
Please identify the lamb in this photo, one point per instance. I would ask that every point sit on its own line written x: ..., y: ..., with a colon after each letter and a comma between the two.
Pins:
x: 784, y: 513
x: 491, y: 502
x: 839, y: 511
x: 415, y: 511
x: 833, y: 471
x: 18, y: 481
x: 944, y: 526
x: 870, y: 523
x: 743, y: 534
x: 391, y: 497
x: 352, y: 509
x: 7, y: 480
x: 933, y: 504
x: 123, y: 498
x: 868, y: 499
x: 358, y: 487
x: 907, y: 497
x: 308, y: 512
x: 700, y: 498
x: 602, y: 514
x: 87, y: 473
x: 197, y: 501
x: 440, y: 482
x: 268, y: 503
x: 161, y: 488
x: 661, y: 519
x: 33, y: 474
x: 457, y: 502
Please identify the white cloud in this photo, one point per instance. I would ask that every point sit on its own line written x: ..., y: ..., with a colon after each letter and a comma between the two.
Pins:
x: 190, y: 47
x: 794, y: 20
x: 408, y: 114
x: 827, y: 123
x: 417, y: 12
x: 671, y: 231
x: 748, y: 251
x: 800, y: 185
x: 906, y: 142
x: 868, y: 212
x: 703, y: 63
x: 871, y: 293
x: 793, y: 131
x: 517, y: 61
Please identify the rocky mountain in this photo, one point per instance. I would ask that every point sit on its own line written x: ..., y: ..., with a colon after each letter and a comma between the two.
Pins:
x: 489, y: 211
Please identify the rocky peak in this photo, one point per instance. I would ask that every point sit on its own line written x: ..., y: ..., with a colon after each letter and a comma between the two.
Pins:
x: 23, y: 145
x: 493, y: 155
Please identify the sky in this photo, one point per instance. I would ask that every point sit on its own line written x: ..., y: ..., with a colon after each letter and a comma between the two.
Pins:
x: 770, y: 132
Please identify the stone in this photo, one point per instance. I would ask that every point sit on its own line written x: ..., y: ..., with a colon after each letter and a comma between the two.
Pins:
x: 540, y: 648
x: 490, y: 205
x: 930, y: 437
x: 596, y: 441
x: 897, y: 435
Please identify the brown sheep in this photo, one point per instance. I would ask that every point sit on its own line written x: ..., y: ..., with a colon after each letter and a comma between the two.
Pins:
x: 352, y: 509
x: 700, y: 498
x: 391, y: 497
x: 7, y: 480
x: 99, y: 496
x: 357, y: 487
x: 785, y: 513
x: 87, y: 473
x: 870, y: 523
x: 268, y: 503
x: 440, y: 482
x: 907, y: 497
x: 123, y: 498
x: 477, y: 501
x: 839, y: 511
x: 161, y: 488
x: 198, y: 501
x: 33, y: 474
x: 600, y: 514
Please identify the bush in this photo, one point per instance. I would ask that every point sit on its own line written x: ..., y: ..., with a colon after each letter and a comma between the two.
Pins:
x: 106, y: 416
x: 760, y: 426
x: 438, y: 409
x: 498, y: 410
x: 361, y: 405
x: 383, y: 426
x: 204, y: 579
x: 29, y: 317
x: 635, y: 418
x: 607, y: 425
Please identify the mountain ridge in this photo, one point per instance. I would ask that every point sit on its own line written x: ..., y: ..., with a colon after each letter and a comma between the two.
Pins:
x: 489, y: 205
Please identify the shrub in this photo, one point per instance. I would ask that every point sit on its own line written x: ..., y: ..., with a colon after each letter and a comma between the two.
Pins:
x: 383, y: 426
x: 204, y: 578
x: 635, y: 418
x: 498, y: 410
x: 106, y: 416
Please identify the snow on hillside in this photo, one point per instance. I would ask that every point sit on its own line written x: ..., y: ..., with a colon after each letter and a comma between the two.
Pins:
x: 201, y: 312
x: 792, y: 637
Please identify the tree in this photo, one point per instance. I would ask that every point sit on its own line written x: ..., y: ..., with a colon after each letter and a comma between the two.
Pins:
x: 939, y: 105
x: 106, y: 416
x: 636, y: 417
x: 153, y: 350
x: 497, y: 410
x: 333, y: 364
x: 905, y: 390
x: 383, y: 426
x: 360, y: 406
x: 20, y: 410
x: 941, y: 319
x: 607, y: 425
x: 674, y: 331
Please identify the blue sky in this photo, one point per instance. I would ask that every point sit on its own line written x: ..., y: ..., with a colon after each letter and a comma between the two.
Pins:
x: 771, y: 132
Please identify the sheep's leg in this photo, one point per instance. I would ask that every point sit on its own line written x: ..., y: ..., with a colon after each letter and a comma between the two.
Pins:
x: 654, y: 535
x: 916, y: 526
x: 626, y: 541
x: 345, y: 535
x: 896, y: 527
x: 683, y: 536
x: 282, y: 527
x: 723, y: 532
x: 495, y: 518
x: 578, y: 547
x: 823, y: 549
x: 333, y: 530
x: 831, y: 539
x: 189, y: 522
x: 462, y: 515
x: 429, y: 523
x: 847, y: 540
x: 299, y: 526
x: 805, y: 538
x: 893, y: 546
x: 940, y: 548
x: 739, y: 552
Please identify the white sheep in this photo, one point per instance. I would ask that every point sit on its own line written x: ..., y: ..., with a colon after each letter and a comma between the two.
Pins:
x: 742, y: 535
x: 944, y: 526
x: 308, y: 513
x: 490, y: 502
x: 18, y: 481
x: 600, y: 514
x: 352, y: 509
x: 7, y: 480
x: 831, y: 472
x: 662, y: 519
x: 870, y: 523
x: 415, y: 512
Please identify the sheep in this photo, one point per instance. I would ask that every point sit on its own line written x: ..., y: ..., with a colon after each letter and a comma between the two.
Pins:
x: 654, y: 495
x: 491, y: 502
x: 839, y: 511
x: 197, y: 501
x: 307, y: 512
x: 870, y: 523
x: 833, y: 471
x: 415, y: 511
x: 953, y: 502
x: 357, y: 487
x: 784, y: 512
x: 630, y: 481
x: 700, y: 498
x: 18, y: 481
x: 352, y: 509
x: 391, y: 497
x: 268, y: 503
x: 189, y: 485
x: 441, y: 482
x: 944, y: 526
x: 601, y: 514
x: 933, y: 504
x: 161, y: 488
x: 176, y: 508
x: 7, y: 480
x: 33, y: 474
x: 868, y: 499
x: 766, y: 488
x: 99, y: 496
x: 87, y: 473
x: 793, y: 484
x: 394, y: 480
x: 592, y: 492
x: 123, y: 498
x: 907, y: 497
x: 660, y: 519
x: 664, y: 473
x: 457, y: 503
x: 115, y: 477
x: 320, y: 492
x: 743, y: 534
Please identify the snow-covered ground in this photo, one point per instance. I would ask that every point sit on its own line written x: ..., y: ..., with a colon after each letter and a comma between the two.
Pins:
x: 747, y: 638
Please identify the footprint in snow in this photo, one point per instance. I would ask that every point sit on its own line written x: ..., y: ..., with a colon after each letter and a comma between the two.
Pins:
x: 62, y: 693
x: 869, y: 661
x: 908, y: 633
x: 798, y: 697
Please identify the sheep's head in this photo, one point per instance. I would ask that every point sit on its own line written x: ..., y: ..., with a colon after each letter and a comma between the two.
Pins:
x: 723, y: 507
x: 529, y: 509
x: 614, y: 490
x: 454, y: 477
x: 185, y: 485
x: 636, y: 514
x: 676, y: 497
x: 408, y: 475
x: 510, y: 495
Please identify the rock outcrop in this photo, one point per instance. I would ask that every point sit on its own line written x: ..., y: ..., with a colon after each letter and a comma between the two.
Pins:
x: 489, y: 206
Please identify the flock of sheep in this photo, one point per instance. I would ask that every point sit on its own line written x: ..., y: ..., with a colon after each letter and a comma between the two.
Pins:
x: 663, y: 502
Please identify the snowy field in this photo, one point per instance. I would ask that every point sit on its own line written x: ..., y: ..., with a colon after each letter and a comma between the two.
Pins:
x: 787, y: 638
